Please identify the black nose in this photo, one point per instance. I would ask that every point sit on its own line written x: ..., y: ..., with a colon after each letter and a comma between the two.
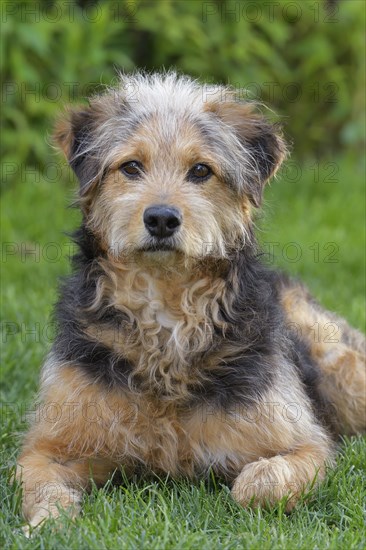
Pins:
x: 162, y: 221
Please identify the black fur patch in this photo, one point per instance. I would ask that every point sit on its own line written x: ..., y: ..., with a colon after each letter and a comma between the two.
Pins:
x: 252, y: 340
x: 238, y: 382
x: 95, y: 359
x: 77, y: 294
x: 84, y: 165
x: 309, y: 374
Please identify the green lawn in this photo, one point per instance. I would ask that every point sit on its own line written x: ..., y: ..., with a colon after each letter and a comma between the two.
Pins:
x: 318, y: 223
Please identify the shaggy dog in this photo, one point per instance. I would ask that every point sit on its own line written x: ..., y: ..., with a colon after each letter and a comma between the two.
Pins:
x: 178, y: 350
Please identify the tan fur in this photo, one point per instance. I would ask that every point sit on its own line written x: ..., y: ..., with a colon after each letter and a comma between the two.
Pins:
x: 268, y: 480
x: 93, y: 431
x: 63, y: 135
x: 339, y: 351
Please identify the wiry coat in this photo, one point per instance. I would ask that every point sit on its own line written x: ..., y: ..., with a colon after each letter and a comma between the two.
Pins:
x: 189, y: 354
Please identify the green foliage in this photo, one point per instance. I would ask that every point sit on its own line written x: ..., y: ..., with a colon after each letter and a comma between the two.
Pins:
x: 302, y: 60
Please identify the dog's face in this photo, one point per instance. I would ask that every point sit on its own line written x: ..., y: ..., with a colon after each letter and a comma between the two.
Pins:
x: 169, y: 167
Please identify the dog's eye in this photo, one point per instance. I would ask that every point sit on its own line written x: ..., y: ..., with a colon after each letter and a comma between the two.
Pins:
x: 199, y: 172
x: 131, y: 169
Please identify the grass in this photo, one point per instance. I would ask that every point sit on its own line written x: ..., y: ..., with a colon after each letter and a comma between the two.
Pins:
x: 162, y: 514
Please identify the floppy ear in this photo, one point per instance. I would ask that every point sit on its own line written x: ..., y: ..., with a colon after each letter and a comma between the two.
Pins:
x: 262, y: 140
x: 73, y: 135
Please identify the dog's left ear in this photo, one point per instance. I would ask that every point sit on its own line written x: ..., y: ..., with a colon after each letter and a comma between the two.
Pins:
x: 73, y: 135
x: 263, y: 142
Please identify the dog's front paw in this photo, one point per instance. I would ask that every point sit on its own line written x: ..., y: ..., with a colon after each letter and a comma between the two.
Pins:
x: 266, y: 482
x: 46, y: 504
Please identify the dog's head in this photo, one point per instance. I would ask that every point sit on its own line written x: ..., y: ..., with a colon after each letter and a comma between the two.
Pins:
x: 167, y: 166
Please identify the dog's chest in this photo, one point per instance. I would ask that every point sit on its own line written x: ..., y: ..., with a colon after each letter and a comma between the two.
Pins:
x: 168, y: 332
x: 169, y: 442
x: 170, y: 318
x: 155, y: 307
x: 152, y: 303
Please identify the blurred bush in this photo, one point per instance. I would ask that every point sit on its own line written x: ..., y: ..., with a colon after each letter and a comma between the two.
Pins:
x: 304, y: 59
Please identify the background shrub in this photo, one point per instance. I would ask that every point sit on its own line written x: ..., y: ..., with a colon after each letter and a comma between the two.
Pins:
x: 304, y: 59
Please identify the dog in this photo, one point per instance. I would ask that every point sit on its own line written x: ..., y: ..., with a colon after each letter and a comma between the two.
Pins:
x: 178, y: 350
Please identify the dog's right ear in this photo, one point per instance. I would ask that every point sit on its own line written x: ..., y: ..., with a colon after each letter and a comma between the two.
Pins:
x: 73, y: 135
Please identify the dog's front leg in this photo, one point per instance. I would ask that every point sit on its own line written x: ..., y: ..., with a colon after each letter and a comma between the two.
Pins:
x: 74, y: 439
x: 51, y: 483
x: 268, y: 480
